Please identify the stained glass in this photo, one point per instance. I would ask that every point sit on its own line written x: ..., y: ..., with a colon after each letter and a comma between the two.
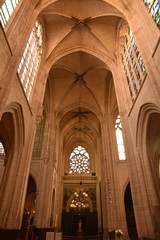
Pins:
x: 137, y: 53
x: 133, y: 62
x: 2, y: 151
x: 130, y: 71
x: 79, y: 161
x: 128, y: 81
x: 119, y: 136
x: 153, y: 7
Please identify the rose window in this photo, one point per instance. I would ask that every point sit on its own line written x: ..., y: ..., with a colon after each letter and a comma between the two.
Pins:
x: 79, y: 161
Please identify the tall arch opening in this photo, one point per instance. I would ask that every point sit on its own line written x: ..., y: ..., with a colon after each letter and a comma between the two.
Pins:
x: 130, y: 217
x: 6, y: 142
x: 29, y: 210
x: 79, y: 215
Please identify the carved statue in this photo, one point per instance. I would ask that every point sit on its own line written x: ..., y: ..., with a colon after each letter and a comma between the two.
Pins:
x: 80, y: 226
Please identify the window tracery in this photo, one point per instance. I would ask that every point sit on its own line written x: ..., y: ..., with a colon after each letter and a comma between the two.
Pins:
x: 119, y: 137
x: 132, y: 62
x: 6, y: 10
x: 153, y: 7
x: 29, y: 64
x: 79, y: 161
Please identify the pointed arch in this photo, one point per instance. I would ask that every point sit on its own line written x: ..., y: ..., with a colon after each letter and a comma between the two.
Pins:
x: 12, y: 130
x: 72, y: 197
x: 147, y: 137
x: 33, y: 174
x: 15, y: 109
x: 13, y: 113
x: 145, y: 112
x: 106, y: 58
x: 79, y: 161
x: 148, y: 134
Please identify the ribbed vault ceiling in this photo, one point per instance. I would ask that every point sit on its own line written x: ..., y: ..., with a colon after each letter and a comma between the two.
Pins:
x: 80, y: 80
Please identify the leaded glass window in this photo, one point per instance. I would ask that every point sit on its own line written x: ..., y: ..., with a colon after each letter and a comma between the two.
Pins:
x: 79, y: 161
x: 127, y: 77
x: 131, y: 72
x: 119, y: 136
x: 138, y: 56
x: 153, y: 7
x: 6, y: 10
x: 30, y: 61
x: 132, y: 62
x: 2, y: 151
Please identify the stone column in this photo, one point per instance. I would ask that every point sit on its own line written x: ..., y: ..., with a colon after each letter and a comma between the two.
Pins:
x: 44, y: 197
x: 104, y: 205
x: 150, y: 176
x: 141, y: 204
x: 112, y: 188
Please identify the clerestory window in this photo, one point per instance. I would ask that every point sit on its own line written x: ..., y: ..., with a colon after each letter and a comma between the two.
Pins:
x: 30, y: 61
x: 6, y: 10
x: 79, y: 161
x: 119, y: 137
x: 133, y: 65
x: 153, y: 7
x: 2, y: 151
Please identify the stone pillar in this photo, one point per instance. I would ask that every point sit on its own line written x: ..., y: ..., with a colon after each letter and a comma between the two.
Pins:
x: 141, y: 203
x: 44, y: 197
x: 151, y: 178
x: 112, y: 188
x: 104, y: 205
x: 152, y: 189
x: 99, y: 210
x: 59, y: 171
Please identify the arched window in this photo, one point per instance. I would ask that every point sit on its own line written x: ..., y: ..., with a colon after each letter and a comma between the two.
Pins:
x: 38, y: 139
x: 2, y: 151
x: 79, y: 161
x: 6, y: 10
x: 153, y: 7
x: 30, y: 61
x: 119, y: 136
x: 134, y: 68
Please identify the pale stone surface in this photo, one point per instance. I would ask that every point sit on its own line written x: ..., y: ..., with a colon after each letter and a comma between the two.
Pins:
x: 79, y: 90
